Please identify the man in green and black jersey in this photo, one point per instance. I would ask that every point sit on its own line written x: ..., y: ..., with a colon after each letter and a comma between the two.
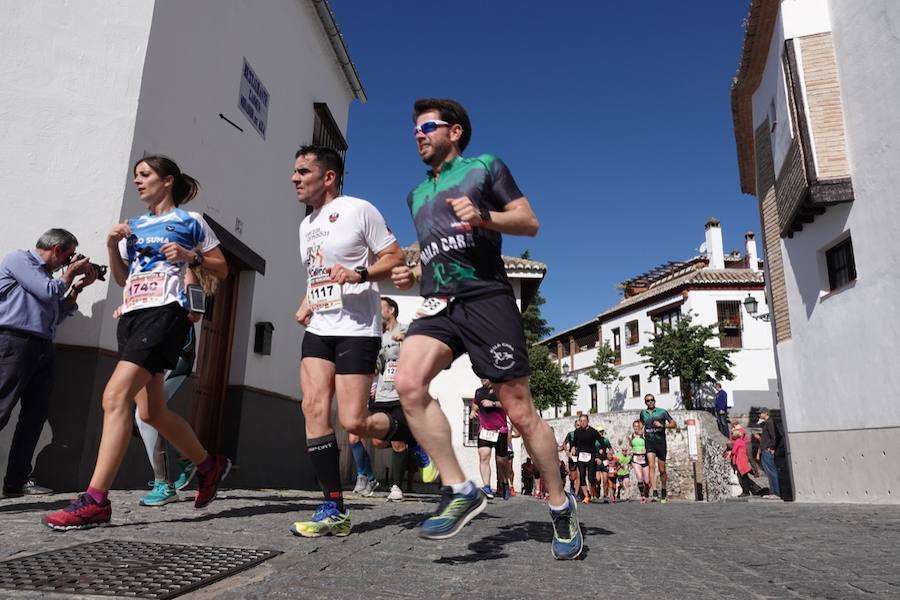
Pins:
x: 656, y: 421
x: 460, y: 211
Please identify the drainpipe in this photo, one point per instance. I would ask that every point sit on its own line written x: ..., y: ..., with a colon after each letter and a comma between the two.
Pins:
x: 336, y: 38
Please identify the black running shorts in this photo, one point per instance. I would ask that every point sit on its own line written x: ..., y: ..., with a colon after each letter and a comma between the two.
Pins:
x: 351, y: 355
x: 153, y: 338
x: 658, y: 448
x: 500, y: 445
x: 488, y: 327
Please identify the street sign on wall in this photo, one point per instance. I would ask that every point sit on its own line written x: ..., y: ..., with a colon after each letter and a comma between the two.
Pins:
x: 254, y: 100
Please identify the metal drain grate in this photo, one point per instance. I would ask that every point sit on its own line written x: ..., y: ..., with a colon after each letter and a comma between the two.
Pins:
x: 123, y: 568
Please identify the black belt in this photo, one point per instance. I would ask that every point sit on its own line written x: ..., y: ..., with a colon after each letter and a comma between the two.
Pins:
x: 25, y: 335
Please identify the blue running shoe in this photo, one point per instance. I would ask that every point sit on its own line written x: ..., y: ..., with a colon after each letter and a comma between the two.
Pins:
x: 454, y: 511
x: 506, y: 491
x: 327, y: 520
x: 567, y: 539
x: 427, y: 469
x: 488, y: 492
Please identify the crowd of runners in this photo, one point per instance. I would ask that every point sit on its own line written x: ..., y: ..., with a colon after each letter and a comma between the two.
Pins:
x: 355, y: 351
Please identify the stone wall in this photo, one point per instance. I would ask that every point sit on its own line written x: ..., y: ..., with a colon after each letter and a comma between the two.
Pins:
x: 716, y: 470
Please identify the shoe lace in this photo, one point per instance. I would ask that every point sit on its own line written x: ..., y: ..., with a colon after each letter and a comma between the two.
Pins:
x: 562, y: 523
x: 452, y: 505
x: 80, y: 502
x: 325, y: 510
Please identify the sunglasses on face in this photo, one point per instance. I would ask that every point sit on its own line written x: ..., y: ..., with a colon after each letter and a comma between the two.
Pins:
x: 430, y: 126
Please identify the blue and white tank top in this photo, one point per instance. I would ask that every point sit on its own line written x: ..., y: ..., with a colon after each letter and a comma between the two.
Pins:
x: 152, y: 280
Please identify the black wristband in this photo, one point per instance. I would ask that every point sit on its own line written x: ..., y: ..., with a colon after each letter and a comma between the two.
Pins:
x: 198, y: 259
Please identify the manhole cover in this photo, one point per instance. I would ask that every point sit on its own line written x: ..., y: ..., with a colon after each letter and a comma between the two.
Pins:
x: 123, y: 568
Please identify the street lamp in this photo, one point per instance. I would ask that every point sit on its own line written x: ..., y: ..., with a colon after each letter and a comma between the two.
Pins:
x: 751, y: 304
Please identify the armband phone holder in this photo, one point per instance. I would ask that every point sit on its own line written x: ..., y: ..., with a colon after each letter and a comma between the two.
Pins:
x: 196, y: 299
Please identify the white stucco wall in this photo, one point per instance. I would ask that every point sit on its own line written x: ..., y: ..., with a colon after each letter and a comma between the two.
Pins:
x: 193, y: 73
x: 71, y: 77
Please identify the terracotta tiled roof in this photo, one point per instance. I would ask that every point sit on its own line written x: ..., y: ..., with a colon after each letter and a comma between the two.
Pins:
x: 512, y: 263
x: 693, y: 277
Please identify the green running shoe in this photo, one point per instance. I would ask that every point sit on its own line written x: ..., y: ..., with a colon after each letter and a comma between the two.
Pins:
x: 427, y: 469
x: 454, y: 511
x: 327, y: 520
x: 161, y: 492
x: 567, y: 539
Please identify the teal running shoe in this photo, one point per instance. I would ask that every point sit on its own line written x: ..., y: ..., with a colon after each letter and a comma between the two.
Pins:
x: 454, y: 511
x: 567, y: 539
x: 186, y: 472
x: 161, y: 492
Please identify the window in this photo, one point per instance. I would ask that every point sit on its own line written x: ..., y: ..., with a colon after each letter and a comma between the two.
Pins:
x: 669, y: 318
x: 470, y: 428
x: 635, y: 386
x: 327, y: 133
x: 729, y: 323
x: 841, y: 266
x: 593, y: 387
x: 631, y: 329
x: 663, y: 385
x: 617, y: 345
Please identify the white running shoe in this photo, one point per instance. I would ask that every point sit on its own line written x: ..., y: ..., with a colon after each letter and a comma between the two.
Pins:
x: 369, y: 489
x: 361, y: 482
x: 396, y: 494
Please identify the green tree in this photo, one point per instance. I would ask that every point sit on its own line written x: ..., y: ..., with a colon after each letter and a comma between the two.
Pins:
x: 681, y: 350
x: 548, y: 386
x: 604, y: 369
x: 536, y: 326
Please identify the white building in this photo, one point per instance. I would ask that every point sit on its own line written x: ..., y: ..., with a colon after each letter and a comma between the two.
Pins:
x: 230, y: 90
x: 816, y: 125
x: 714, y: 289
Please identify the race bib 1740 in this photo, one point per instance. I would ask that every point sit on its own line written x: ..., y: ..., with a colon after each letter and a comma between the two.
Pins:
x: 323, y: 294
x: 144, y: 290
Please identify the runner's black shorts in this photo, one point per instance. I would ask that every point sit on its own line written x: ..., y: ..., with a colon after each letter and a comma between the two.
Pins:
x: 658, y: 448
x: 488, y: 327
x: 500, y: 446
x: 587, y: 471
x: 153, y: 338
x: 351, y: 355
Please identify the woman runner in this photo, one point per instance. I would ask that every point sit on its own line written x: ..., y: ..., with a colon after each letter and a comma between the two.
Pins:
x: 149, y: 256
x: 639, y: 460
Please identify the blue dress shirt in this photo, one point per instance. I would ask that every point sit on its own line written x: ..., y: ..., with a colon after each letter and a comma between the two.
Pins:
x: 31, y: 300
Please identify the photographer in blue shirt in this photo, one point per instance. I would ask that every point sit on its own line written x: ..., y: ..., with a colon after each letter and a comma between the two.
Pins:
x: 32, y: 305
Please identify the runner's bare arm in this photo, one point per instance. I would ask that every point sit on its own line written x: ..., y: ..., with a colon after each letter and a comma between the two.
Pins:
x: 117, y: 264
x: 213, y: 260
x: 387, y: 259
x: 304, y: 313
x: 516, y: 218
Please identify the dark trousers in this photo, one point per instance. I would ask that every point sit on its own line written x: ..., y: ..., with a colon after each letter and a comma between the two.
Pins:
x: 26, y: 374
x: 724, y: 425
x: 528, y: 485
x: 768, y: 463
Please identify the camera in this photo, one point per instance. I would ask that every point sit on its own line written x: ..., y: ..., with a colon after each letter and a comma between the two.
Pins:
x: 99, y: 270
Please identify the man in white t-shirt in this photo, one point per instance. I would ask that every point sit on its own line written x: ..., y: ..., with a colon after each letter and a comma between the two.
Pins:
x: 346, y: 246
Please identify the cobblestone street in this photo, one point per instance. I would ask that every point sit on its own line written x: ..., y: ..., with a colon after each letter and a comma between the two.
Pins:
x: 756, y: 549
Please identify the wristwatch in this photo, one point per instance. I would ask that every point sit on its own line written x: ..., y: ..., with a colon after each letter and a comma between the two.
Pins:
x: 485, y: 214
x: 197, y: 260
x: 363, y: 274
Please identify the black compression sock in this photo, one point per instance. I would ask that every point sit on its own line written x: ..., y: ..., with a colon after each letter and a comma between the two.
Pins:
x: 325, y: 459
x: 398, y: 464
x: 663, y: 493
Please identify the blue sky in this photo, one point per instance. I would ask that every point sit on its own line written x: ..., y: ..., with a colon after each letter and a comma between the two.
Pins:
x: 613, y: 116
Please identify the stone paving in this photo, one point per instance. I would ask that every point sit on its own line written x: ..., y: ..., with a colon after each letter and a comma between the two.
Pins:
x: 735, y: 549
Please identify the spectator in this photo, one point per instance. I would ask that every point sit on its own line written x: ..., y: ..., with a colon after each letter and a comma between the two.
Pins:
x: 32, y: 305
x: 528, y: 473
x: 721, y: 409
x: 740, y: 460
x: 768, y: 445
